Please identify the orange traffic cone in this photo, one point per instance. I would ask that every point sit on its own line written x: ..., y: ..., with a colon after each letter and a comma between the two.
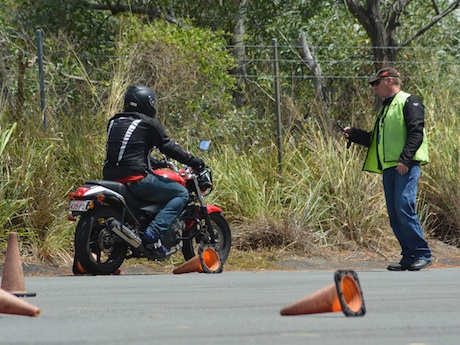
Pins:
x: 77, y: 268
x: 345, y: 296
x: 12, y: 275
x: 10, y: 304
x: 207, y: 260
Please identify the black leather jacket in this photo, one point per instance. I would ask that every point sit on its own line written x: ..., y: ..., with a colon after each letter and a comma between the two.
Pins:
x: 130, y: 137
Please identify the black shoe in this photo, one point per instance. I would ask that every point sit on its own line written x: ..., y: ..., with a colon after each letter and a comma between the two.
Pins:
x: 419, y: 264
x: 402, y: 266
x: 152, y: 242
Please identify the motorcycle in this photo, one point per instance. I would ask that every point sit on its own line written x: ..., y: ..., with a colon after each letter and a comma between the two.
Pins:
x: 112, y: 220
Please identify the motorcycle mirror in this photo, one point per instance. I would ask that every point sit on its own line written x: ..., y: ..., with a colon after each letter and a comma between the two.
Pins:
x: 205, y: 144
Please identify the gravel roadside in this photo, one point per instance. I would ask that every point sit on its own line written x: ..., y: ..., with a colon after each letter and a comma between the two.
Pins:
x: 444, y: 256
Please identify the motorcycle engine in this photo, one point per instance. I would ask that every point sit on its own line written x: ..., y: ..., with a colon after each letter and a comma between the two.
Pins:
x: 171, y: 237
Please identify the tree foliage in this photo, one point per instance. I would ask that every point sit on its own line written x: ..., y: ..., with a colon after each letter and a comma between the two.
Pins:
x: 187, y: 67
x: 381, y: 19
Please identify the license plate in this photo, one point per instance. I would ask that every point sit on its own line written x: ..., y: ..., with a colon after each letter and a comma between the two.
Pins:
x: 79, y: 205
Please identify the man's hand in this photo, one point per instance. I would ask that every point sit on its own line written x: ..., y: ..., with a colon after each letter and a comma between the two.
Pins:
x: 402, y: 169
x: 197, y: 163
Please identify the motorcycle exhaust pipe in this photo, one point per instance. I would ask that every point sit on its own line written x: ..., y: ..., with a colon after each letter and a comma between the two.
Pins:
x: 124, y: 233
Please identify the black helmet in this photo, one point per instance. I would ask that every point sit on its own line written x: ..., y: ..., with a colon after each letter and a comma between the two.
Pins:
x: 141, y: 99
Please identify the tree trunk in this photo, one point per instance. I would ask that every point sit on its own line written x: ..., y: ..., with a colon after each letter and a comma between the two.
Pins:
x: 381, y: 27
x: 21, y: 73
x: 315, y: 71
x: 380, y: 33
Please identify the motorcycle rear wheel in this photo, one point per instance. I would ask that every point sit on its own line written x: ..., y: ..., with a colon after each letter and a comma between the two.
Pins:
x: 98, y: 250
x: 224, y: 239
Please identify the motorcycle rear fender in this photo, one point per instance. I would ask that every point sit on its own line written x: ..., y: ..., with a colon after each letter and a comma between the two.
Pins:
x: 112, y: 197
x: 94, y: 191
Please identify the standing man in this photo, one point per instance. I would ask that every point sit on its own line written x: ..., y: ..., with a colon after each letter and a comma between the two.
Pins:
x: 397, y: 147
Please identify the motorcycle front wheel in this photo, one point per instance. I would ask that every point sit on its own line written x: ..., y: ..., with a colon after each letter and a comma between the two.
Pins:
x: 98, y: 250
x: 223, y: 235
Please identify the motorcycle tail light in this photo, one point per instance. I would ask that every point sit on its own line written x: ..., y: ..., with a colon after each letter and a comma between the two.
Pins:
x: 80, y: 192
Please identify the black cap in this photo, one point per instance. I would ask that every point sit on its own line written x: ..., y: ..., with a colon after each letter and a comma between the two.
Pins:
x: 384, y: 73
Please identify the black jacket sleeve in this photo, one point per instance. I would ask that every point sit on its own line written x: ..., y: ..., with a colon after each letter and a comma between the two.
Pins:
x: 361, y: 137
x: 168, y: 146
x: 414, y: 118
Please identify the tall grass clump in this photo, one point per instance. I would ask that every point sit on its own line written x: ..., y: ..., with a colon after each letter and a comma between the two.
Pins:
x: 11, y: 208
x: 41, y: 165
x: 41, y: 171
x: 442, y: 174
x: 321, y: 200
x: 186, y: 67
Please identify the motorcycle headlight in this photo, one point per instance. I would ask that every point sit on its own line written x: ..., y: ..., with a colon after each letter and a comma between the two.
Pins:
x: 205, y: 182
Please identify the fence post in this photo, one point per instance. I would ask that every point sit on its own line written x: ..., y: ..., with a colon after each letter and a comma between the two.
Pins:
x: 278, y: 106
x: 41, y: 76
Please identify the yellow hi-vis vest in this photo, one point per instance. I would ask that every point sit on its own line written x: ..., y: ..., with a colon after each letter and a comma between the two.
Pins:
x: 389, y: 137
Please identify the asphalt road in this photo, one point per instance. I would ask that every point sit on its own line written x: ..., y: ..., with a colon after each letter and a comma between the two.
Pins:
x: 236, y: 308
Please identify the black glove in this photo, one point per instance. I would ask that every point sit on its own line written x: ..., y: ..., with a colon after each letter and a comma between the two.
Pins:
x: 156, y: 163
x: 197, y: 163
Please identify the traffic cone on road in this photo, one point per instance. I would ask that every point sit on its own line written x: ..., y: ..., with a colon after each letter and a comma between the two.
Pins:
x: 13, y: 275
x: 11, y: 304
x: 345, y: 295
x: 77, y: 268
x: 207, y: 260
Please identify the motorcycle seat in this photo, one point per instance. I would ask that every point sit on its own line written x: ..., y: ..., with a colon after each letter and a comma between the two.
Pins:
x: 130, y: 198
x: 113, y: 185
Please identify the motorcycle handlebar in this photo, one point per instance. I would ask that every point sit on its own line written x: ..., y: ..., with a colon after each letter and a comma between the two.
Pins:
x: 174, y: 167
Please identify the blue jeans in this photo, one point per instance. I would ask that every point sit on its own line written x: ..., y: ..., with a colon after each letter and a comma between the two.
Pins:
x: 162, y: 190
x: 400, y: 195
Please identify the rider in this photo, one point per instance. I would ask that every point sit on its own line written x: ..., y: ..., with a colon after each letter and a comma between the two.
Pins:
x: 131, y: 136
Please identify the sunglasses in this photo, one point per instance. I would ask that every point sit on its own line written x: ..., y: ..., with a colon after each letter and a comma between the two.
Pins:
x: 377, y: 82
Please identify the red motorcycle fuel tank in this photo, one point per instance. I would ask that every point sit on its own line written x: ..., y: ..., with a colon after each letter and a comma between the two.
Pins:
x: 170, y: 175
